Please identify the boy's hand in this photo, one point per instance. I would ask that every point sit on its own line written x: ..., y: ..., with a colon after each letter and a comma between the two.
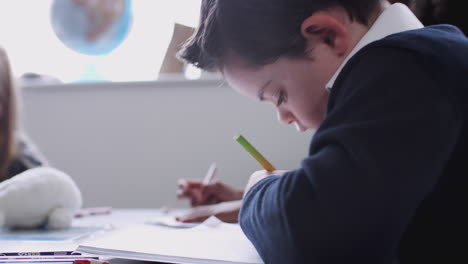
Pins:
x: 225, y: 211
x: 213, y: 193
x: 260, y: 175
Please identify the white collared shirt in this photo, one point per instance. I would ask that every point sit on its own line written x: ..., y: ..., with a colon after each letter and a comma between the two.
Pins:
x: 394, y: 19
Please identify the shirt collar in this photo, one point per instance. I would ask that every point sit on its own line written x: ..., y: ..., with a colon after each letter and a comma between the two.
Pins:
x: 394, y: 19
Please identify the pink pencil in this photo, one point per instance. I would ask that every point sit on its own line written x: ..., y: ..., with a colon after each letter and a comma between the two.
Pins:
x: 93, y: 211
x: 210, y: 174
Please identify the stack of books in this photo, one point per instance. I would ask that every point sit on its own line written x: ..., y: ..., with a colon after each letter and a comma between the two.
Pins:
x: 63, y: 257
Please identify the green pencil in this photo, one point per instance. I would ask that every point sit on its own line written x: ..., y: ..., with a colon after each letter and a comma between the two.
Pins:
x: 259, y: 157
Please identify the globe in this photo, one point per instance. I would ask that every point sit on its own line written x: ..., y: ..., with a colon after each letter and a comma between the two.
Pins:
x: 91, y: 27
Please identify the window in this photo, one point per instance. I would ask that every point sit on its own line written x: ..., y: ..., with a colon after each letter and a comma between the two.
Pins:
x: 33, y: 47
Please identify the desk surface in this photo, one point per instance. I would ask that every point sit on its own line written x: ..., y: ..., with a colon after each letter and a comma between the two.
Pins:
x: 118, y: 218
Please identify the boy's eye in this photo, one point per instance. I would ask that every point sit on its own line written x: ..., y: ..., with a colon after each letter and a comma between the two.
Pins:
x: 281, y: 98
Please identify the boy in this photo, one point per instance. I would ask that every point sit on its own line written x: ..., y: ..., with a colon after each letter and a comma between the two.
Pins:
x: 386, y: 177
x: 17, y: 152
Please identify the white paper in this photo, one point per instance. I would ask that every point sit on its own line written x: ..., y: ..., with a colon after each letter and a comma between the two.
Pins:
x: 213, y: 242
x: 31, y: 246
x: 170, y: 221
x: 73, y: 233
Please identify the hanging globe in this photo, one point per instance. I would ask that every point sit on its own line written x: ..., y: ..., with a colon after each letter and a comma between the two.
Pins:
x: 91, y: 27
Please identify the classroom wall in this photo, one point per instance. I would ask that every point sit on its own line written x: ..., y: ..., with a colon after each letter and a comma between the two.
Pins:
x: 126, y: 144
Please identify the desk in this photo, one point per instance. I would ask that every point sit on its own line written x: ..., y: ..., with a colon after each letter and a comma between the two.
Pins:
x: 119, y: 218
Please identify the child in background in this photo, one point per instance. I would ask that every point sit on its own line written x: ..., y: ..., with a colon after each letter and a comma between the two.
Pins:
x: 17, y: 153
x: 385, y: 180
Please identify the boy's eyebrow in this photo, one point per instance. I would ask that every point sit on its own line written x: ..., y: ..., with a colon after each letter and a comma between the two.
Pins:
x: 262, y: 91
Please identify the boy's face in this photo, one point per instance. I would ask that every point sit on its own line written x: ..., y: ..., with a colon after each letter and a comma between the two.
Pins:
x: 296, y: 87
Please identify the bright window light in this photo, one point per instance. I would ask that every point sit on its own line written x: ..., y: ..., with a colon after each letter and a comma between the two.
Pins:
x: 33, y: 47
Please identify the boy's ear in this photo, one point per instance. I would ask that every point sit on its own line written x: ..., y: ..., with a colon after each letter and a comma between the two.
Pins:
x: 322, y: 27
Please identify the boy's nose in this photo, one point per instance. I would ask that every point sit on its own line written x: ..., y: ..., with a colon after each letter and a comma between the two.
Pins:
x: 285, y: 117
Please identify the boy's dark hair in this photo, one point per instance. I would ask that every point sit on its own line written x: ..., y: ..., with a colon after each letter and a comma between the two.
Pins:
x: 259, y: 31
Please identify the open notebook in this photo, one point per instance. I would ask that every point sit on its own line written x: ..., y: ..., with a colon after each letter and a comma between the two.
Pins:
x: 209, y: 242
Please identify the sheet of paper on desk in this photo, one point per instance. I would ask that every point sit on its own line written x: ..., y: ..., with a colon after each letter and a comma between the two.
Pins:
x: 36, y: 246
x: 210, y: 242
x: 42, y: 234
x: 42, y: 240
x: 170, y: 221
